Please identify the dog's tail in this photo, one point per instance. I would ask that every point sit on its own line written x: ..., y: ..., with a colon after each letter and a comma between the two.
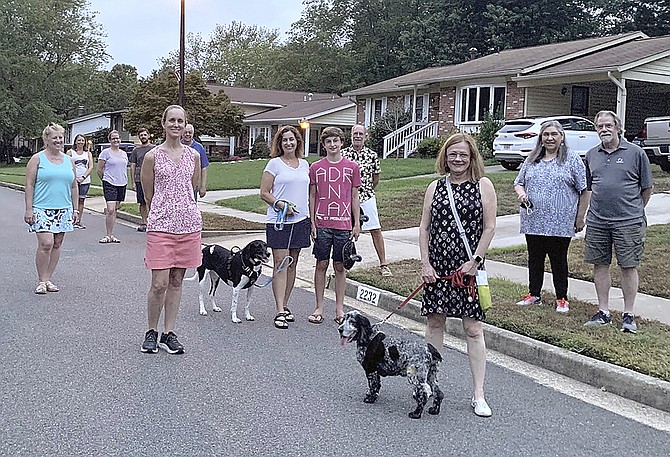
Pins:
x: 434, y: 352
x: 192, y: 278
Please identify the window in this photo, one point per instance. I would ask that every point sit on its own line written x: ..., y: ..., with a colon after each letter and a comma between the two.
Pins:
x: 378, y: 108
x: 479, y: 100
x: 580, y: 101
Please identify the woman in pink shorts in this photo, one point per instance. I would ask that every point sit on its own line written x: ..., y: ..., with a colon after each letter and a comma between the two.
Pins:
x: 170, y: 173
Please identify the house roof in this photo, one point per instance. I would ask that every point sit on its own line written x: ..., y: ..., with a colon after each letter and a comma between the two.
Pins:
x: 264, y: 97
x: 504, y: 63
x: 622, y: 57
x: 87, y: 117
x: 302, y: 110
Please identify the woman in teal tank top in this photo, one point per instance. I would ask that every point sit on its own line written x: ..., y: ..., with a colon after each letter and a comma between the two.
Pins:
x: 51, y: 190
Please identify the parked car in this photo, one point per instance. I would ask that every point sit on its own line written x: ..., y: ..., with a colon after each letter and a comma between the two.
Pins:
x: 128, y: 147
x: 655, y: 140
x: 514, y: 141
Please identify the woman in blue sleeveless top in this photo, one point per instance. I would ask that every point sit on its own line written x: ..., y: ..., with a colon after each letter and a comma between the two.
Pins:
x: 51, y: 191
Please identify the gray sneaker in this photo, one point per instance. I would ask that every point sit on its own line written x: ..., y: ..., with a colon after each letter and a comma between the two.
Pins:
x: 629, y: 325
x: 170, y: 343
x: 598, y: 319
x: 150, y: 344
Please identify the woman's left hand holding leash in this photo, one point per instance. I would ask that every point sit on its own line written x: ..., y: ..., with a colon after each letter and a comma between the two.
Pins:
x: 469, y: 268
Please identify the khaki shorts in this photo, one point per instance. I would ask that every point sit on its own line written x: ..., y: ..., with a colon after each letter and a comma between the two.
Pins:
x: 628, y: 242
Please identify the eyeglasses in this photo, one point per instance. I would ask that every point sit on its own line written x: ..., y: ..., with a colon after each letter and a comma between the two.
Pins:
x: 459, y: 155
x: 528, y: 206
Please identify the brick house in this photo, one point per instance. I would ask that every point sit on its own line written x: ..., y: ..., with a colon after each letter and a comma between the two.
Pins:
x: 627, y: 73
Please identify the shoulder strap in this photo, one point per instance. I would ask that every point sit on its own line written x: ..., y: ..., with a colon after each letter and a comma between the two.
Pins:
x: 461, y: 230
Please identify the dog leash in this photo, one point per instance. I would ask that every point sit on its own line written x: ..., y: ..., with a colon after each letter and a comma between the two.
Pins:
x: 458, y: 279
x: 281, y: 213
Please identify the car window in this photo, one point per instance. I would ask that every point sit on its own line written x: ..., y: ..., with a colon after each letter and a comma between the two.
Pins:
x: 584, y: 126
x: 567, y: 124
x: 515, y: 126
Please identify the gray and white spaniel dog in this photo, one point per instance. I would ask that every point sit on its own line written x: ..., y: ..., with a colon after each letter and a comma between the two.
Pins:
x: 387, y: 356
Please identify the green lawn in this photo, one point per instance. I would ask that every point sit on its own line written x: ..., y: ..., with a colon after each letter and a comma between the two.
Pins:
x: 646, y: 352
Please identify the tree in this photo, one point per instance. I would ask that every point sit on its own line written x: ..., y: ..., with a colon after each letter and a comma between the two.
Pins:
x: 210, y: 114
x: 42, y: 56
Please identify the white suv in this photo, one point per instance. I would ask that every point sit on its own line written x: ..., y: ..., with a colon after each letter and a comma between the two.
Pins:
x: 518, y: 137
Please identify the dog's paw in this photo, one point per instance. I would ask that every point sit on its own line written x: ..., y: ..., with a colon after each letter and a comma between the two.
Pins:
x: 216, y: 309
x: 434, y: 410
x: 203, y: 312
x: 369, y: 398
x: 236, y: 320
x: 415, y: 415
x: 250, y: 318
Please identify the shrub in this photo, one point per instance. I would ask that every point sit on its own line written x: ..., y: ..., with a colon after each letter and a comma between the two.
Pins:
x: 486, y: 134
x: 260, y: 149
x: 429, y: 147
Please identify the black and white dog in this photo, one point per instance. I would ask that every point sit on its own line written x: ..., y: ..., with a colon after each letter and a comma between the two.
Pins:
x: 386, y: 356
x: 239, y: 269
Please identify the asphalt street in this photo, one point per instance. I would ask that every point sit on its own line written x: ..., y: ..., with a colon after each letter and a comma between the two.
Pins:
x: 75, y: 383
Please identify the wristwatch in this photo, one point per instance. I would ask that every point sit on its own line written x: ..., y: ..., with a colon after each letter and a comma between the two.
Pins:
x: 478, y: 259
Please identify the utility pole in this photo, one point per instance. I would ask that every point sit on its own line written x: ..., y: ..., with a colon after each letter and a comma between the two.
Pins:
x: 181, y: 56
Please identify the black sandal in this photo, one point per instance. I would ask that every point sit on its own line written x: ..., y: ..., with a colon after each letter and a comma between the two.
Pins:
x: 280, y: 320
x: 288, y: 315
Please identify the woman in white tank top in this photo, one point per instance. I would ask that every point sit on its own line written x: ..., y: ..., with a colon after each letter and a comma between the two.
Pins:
x: 83, y: 162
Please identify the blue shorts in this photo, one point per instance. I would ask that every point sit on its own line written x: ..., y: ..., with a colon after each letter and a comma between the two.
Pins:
x: 327, y: 239
x: 83, y: 190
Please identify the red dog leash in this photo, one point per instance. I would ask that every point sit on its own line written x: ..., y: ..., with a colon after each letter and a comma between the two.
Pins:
x: 458, y: 279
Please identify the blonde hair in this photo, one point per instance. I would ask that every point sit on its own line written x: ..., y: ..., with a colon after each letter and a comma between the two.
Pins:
x: 276, y: 149
x: 51, y: 128
x: 476, y: 167
x: 177, y: 107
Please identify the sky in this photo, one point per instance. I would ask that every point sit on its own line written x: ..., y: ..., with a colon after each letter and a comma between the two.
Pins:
x: 139, y: 32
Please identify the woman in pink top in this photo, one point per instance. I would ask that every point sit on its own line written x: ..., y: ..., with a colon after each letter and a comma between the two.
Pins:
x: 170, y: 173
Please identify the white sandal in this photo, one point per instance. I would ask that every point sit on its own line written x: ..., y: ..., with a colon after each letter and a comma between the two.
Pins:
x: 41, y: 288
x: 51, y: 287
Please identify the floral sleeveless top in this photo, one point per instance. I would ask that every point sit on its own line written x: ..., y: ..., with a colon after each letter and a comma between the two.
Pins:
x: 173, y: 206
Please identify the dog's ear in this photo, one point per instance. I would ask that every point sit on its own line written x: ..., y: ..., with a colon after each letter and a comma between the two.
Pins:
x: 374, y: 354
x: 365, y: 329
x: 393, y: 353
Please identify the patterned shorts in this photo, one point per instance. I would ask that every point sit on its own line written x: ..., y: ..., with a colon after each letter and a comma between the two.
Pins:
x: 52, y: 220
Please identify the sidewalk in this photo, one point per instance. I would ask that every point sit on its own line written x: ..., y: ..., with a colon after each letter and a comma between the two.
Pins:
x: 404, y: 244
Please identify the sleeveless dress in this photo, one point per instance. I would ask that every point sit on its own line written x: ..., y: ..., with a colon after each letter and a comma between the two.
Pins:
x: 446, y: 251
x: 174, y: 222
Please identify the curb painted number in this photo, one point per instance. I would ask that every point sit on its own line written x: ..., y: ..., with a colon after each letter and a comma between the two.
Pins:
x: 367, y: 295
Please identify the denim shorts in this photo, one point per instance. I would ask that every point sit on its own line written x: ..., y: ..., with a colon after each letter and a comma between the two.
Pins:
x: 628, y: 242
x: 327, y: 239
x: 83, y: 190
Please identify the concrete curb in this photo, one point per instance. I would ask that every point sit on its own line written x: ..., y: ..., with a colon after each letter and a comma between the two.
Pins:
x: 606, y: 376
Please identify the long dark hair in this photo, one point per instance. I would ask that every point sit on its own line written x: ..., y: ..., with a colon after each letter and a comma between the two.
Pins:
x: 539, y: 151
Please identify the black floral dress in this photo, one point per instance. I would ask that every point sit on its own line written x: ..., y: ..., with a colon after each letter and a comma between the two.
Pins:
x: 446, y: 251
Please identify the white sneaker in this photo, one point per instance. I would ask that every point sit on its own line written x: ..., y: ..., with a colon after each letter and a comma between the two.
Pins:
x: 481, y: 407
x: 529, y: 299
x: 562, y: 305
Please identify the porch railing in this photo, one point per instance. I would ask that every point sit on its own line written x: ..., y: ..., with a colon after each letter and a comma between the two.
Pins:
x: 407, y: 138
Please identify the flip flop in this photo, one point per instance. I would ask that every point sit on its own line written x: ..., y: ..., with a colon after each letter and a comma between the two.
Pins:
x: 315, y: 318
x: 339, y: 320
x: 105, y: 240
